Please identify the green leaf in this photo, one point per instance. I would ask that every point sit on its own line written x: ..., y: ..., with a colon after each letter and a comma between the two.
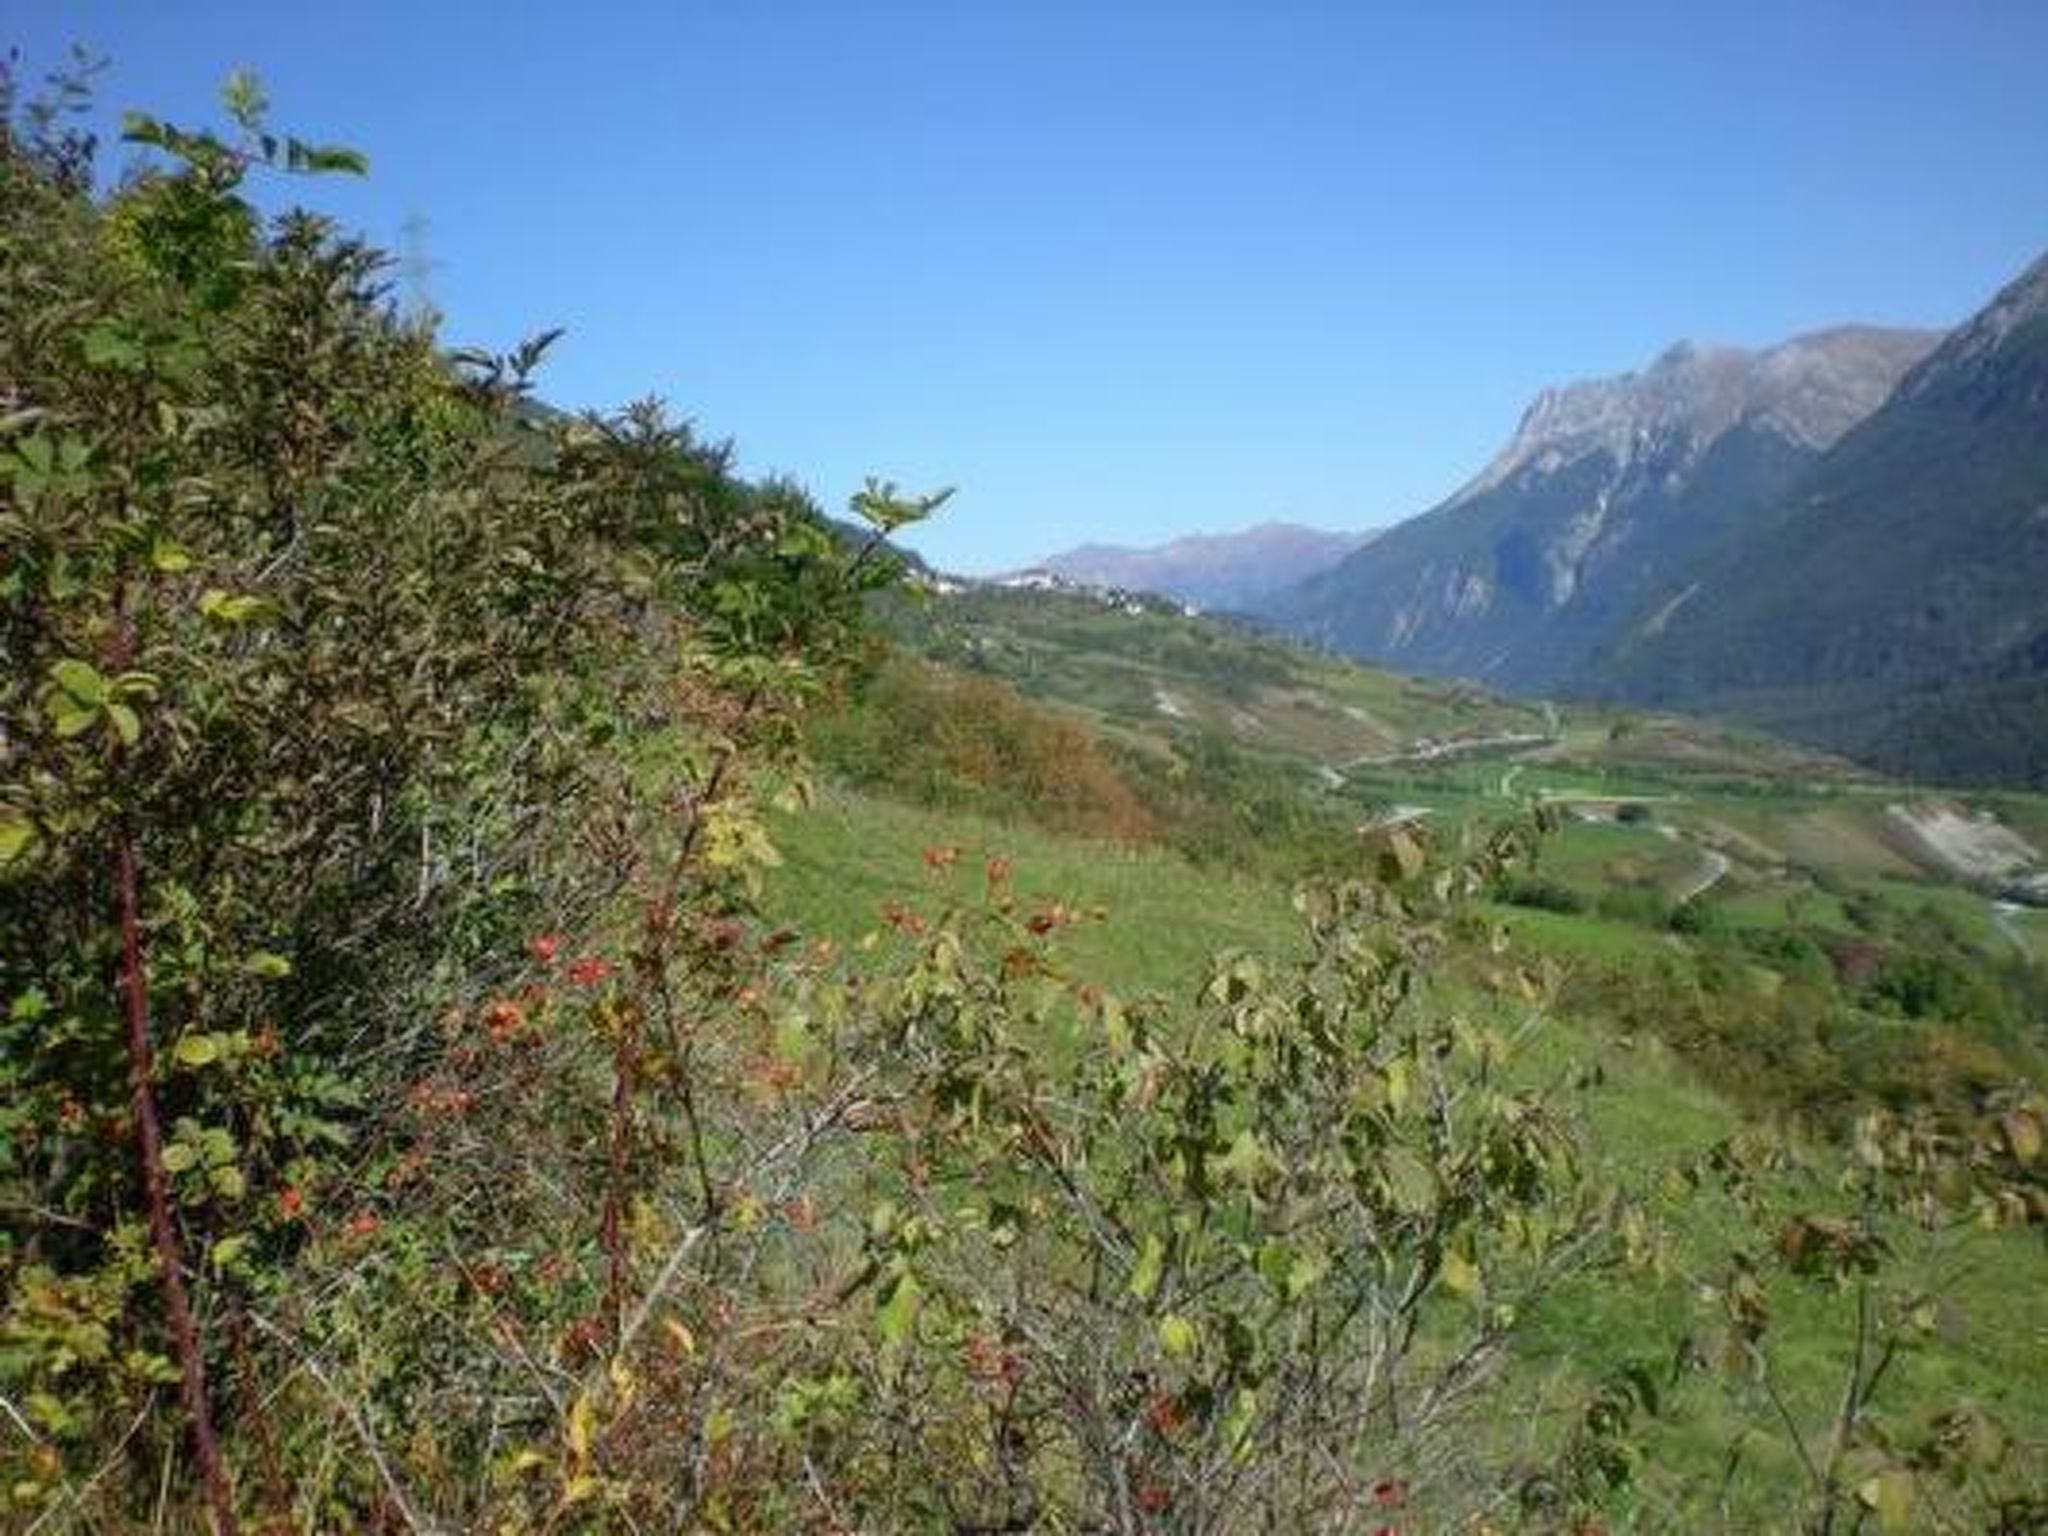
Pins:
x: 170, y: 557
x: 37, y: 453
x: 243, y: 96
x: 1275, y: 1259
x: 1237, y: 1423
x: 1305, y: 1273
x: 899, y: 1309
x: 179, y: 1156
x: 321, y: 159
x: 227, y: 1182
x: 1151, y: 1266
x: 107, y: 345
x: 17, y: 834
x: 1177, y: 1336
x: 266, y: 964
x: 126, y: 724
x: 229, y: 608
x: 197, y: 1050
x: 228, y: 1250
x: 1247, y: 1158
x: 70, y: 719
x: 80, y: 680
x: 1410, y: 1183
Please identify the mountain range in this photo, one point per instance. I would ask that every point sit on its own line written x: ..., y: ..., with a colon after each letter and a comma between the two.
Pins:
x: 1842, y: 538
x: 1231, y: 572
x: 1894, y: 605
x: 1606, y: 487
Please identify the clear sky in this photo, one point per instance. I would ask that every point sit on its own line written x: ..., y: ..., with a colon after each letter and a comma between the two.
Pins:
x: 1121, y: 271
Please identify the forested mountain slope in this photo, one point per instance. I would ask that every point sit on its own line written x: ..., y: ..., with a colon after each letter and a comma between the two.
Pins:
x: 1897, y: 607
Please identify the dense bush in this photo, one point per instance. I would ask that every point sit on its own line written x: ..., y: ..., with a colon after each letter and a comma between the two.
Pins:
x: 331, y: 669
x: 975, y: 743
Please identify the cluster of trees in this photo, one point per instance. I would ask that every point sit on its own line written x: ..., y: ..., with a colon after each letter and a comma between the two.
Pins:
x: 973, y: 743
x: 410, y: 1126
x: 1808, y: 1020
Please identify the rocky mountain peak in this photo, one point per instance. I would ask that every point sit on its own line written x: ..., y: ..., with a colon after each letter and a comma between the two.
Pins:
x: 1809, y: 390
x: 2021, y: 303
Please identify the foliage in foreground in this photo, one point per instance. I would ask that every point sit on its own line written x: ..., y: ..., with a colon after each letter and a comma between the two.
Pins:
x: 409, y: 1128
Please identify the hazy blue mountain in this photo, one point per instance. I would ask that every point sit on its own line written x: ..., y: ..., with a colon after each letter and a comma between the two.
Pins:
x: 1231, y: 571
x: 1895, y: 606
x: 1607, y: 488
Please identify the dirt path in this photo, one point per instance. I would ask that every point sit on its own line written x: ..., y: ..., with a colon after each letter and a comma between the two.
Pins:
x: 1714, y: 864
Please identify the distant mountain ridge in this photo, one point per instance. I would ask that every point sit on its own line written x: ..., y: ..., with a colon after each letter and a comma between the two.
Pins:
x: 1896, y: 605
x: 1227, y: 571
x: 1606, y: 488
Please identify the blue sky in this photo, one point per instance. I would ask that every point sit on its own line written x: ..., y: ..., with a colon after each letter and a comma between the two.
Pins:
x: 1123, y: 271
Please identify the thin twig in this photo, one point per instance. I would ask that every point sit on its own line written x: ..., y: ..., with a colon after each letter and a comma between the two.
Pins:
x: 407, y: 1509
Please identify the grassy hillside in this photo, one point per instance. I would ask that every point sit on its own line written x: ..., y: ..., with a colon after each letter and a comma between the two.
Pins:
x: 1738, y: 933
x: 853, y: 863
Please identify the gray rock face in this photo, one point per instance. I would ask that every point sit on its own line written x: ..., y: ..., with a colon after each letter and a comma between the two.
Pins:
x: 2019, y: 305
x: 1606, y: 489
x: 1809, y: 391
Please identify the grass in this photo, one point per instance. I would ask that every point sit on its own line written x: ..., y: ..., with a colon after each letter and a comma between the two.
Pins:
x: 1782, y: 905
x: 1580, y: 935
x: 1160, y: 917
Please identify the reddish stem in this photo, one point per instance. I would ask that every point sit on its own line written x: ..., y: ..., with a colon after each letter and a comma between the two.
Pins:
x: 156, y: 1185
x: 612, y: 1235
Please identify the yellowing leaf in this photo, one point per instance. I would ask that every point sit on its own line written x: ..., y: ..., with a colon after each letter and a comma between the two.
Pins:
x: 1889, y: 1495
x: 1461, y: 1275
x: 1400, y: 1083
x: 2022, y: 1134
x: 197, y: 1050
x: 169, y: 557
x: 1151, y: 1265
x: 582, y: 1426
x: 1177, y: 1336
x: 227, y: 1250
x: 230, y: 608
